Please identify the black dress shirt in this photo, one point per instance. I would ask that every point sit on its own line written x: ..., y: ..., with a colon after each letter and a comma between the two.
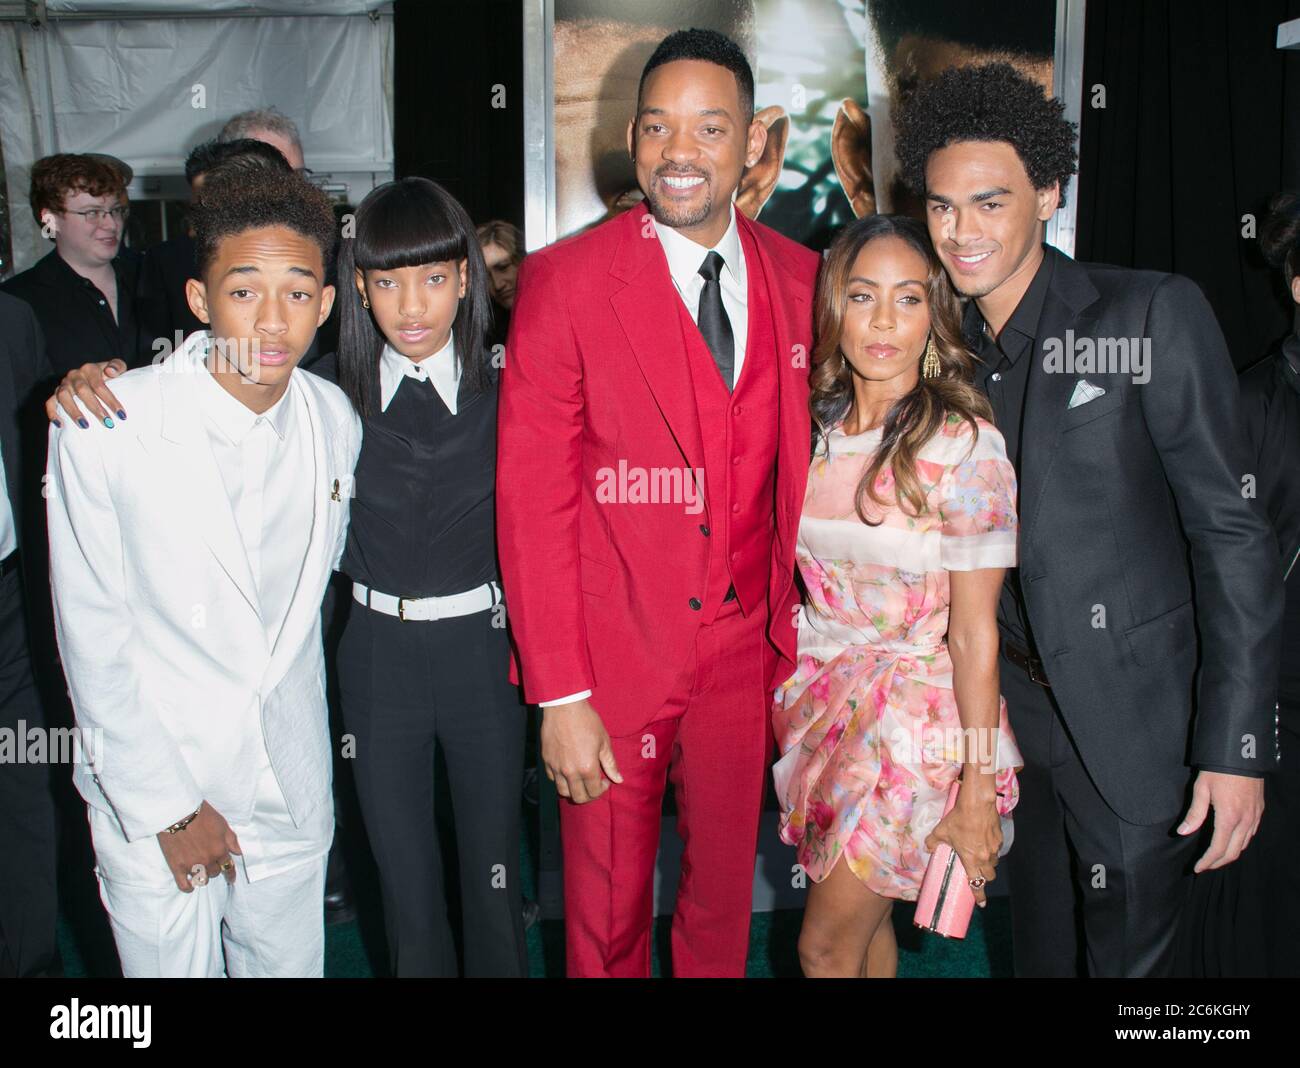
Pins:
x: 1010, y: 356
x: 78, y: 325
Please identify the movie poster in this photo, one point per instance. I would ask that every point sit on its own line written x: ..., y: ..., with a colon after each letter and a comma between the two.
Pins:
x: 828, y: 76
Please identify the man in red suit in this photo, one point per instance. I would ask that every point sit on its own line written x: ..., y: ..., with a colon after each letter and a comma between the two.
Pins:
x: 653, y: 452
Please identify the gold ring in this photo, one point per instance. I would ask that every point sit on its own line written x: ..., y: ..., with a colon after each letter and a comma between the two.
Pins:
x: 227, y: 864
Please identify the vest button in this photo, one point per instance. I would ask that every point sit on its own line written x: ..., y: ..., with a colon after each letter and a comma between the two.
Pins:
x: 735, y: 461
x: 704, y: 530
x: 735, y: 508
x: 737, y: 409
x: 695, y: 604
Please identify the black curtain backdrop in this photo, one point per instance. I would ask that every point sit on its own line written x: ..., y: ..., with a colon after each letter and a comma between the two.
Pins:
x: 448, y: 56
x: 1201, y: 126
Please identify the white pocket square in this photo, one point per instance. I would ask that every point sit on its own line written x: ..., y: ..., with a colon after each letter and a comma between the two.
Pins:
x: 1084, y: 391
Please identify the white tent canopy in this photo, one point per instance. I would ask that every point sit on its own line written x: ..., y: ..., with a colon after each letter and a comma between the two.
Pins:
x: 190, y: 8
x: 147, y: 80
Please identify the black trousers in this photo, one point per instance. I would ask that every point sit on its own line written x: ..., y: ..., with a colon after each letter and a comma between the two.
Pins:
x: 1088, y: 889
x: 1243, y: 921
x: 405, y: 686
x: 28, y: 848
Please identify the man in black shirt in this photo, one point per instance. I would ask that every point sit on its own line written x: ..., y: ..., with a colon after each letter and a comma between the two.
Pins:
x: 1140, y: 629
x: 84, y: 291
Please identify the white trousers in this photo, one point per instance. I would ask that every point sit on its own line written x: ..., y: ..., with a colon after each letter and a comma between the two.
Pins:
x: 272, y: 925
x: 269, y: 928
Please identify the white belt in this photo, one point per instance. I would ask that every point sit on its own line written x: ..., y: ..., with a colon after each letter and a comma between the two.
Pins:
x: 411, y: 609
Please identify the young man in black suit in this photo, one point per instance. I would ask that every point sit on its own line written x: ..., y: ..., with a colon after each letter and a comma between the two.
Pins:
x: 28, y: 901
x: 1140, y: 630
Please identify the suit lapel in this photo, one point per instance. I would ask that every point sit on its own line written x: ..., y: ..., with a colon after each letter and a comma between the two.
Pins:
x: 646, y: 307
x: 187, y: 452
x: 790, y: 307
x: 1068, y: 305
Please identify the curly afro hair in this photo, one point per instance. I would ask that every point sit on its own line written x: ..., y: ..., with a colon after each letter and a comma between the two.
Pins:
x: 989, y: 102
x: 247, y: 193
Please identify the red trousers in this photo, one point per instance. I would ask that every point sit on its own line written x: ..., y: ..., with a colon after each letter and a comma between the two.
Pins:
x: 712, y: 739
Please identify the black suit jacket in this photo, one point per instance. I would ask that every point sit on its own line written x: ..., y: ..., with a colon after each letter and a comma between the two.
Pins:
x: 164, y: 270
x: 24, y: 372
x: 1153, y: 586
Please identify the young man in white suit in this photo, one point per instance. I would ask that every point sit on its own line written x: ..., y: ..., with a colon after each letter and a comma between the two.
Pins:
x: 190, y: 549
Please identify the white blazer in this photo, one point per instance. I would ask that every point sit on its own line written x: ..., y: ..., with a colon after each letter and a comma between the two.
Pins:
x: 157, y: 615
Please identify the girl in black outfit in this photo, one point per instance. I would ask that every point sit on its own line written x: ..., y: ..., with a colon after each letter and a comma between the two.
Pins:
x: 424, y: 655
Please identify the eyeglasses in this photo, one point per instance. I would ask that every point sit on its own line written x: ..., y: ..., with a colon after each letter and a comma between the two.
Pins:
x: 95, y: 216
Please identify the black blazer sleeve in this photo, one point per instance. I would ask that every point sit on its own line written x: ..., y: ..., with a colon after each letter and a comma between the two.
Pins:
x: 1192, y: 412
x: 26, y: 372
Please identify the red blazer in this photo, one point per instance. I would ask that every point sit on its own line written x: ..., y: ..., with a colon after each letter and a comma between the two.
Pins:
x: 596, y: 372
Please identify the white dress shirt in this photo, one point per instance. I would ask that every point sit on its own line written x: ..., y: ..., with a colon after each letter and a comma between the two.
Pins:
x: 8, y: 532
x: 267, y: 466
x: 442, y: 369
x: 685, y: 258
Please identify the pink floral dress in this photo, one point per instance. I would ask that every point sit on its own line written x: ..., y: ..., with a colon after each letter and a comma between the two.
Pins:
x: 868, y: 724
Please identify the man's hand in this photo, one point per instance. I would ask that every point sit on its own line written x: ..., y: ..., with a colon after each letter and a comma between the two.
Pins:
x: 208, y: 840
x: 86, y: 383
x: 576, y: 751
x: 1238, y: 803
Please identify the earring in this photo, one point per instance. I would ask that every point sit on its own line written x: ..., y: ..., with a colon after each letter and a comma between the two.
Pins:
x: 365, y: 303
x: 930, y: 366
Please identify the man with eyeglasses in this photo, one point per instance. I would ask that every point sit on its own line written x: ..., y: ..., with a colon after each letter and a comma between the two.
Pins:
x: 84, y: 291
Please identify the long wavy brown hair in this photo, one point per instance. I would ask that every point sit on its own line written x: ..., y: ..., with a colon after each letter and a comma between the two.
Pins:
x: 917, y: 416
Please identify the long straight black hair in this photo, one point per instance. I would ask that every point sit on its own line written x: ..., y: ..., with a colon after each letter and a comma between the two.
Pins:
x: 407, y: 223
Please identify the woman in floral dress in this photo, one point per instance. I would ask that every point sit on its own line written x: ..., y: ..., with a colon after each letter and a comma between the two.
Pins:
x: 908, y: 524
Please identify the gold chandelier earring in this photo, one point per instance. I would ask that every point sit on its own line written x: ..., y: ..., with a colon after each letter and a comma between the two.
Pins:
x: 930, y: 365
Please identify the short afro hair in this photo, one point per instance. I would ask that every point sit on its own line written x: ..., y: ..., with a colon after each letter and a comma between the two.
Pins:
x: 247, y: 193
x: 988, y: 102
x: 710, y: 46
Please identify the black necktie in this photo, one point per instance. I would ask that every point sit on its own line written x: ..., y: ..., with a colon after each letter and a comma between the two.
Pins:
x: 712, y: 319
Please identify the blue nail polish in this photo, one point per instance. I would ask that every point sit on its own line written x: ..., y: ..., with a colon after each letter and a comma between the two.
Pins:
x: 83, y: 424
x: 58, y: 424
x: 108, y: 422
x: 121, y: 415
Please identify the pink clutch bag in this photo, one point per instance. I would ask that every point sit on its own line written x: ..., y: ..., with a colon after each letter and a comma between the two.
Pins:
x: 946, y: 902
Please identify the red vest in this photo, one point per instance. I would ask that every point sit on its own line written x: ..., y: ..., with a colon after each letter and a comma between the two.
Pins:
x: 739, y: 430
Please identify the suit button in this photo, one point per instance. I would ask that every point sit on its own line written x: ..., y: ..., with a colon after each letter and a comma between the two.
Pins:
x: 735, y: 556
x: 704, y: 530
x: 695, y: 604
x: 735, y: 508
x: 735, y: 461
x: 737, y: 409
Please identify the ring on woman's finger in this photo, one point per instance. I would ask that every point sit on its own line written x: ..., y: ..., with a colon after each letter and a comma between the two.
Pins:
x: 978, y: 881
x: 227, y: 864
x: 198, y: 875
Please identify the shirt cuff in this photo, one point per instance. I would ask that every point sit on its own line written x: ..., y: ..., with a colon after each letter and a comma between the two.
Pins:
x: 1231, y: 771
x: 581, y: 695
